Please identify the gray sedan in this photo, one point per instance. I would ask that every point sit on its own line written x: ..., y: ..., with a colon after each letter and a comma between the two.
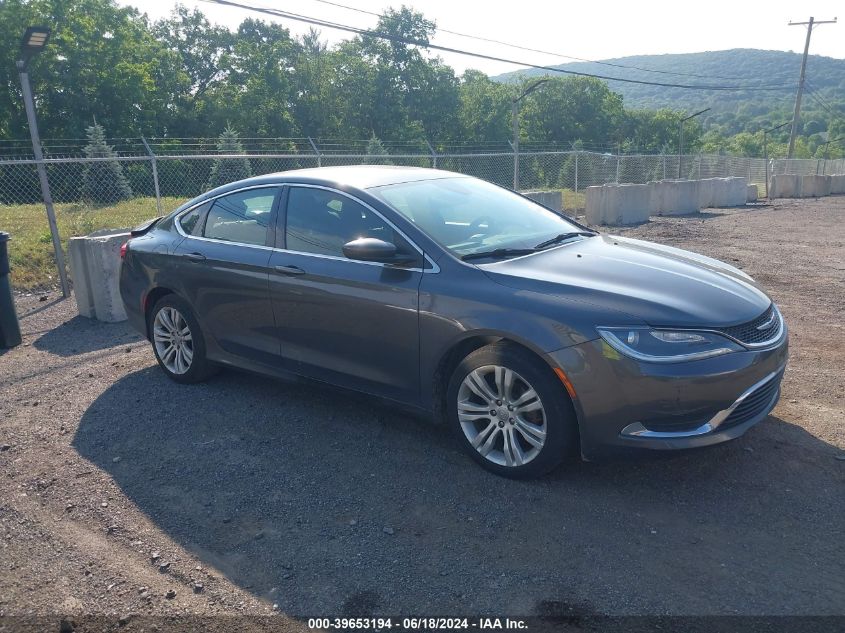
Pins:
x: 534, y: 337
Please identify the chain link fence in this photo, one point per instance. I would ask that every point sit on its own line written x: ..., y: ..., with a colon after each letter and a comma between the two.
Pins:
x: 170, y: 179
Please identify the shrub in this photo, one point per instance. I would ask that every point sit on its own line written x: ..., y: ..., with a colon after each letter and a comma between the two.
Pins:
x: 376, y: 153
x: 226, y: 170
x: 103, y: 181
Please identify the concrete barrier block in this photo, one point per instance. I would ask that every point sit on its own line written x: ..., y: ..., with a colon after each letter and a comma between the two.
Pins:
x: 707, y: 192
x: 603, y: 205
x: 95, y: 270
x: 551, y: 199
x: 592, y: 205
x: 815, y: 186
x: 674, y: 197
x: 837, y: 184
x: 634, y: 203
x: 752, y: 194
x: 785, y: 186
x: 736, y: 191
x: 77, y: 254
x: 726, y: 192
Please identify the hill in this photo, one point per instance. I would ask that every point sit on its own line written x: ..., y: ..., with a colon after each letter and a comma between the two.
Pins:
x: 732, y: 110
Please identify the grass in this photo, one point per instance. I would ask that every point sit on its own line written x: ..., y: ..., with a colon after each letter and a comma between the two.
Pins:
x: 31, y: 248
x: 573, y: 201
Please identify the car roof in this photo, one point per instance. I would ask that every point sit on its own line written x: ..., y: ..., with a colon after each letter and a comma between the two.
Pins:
x: 357, y: 176
x: 342, y: 177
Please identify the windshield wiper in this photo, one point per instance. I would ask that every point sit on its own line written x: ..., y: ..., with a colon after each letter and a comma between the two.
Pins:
x: 563, y: 237
x: 499, y: 253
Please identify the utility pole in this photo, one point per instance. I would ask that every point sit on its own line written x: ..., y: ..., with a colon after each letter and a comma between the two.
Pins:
x: 796, y: 115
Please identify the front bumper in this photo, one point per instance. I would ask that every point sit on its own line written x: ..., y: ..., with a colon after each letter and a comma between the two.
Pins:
x: 624, y: 404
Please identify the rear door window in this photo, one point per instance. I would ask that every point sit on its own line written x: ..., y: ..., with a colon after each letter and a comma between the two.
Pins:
x: 242, y: 217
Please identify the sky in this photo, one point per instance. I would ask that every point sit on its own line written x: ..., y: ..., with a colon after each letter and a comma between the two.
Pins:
x: 590, y: 30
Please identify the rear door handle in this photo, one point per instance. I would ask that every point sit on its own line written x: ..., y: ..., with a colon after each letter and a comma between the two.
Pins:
x: 289, y: 270
x: 195, y: 257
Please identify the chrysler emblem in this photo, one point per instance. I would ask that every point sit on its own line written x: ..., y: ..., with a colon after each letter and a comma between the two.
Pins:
x: 768, y: 323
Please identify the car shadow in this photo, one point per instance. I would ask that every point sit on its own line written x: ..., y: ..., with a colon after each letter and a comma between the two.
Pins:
x: 330, y: 503
x: 80, y: 335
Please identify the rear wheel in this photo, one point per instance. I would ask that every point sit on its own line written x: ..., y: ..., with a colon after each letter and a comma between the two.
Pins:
x: 178, y: 342
x: 509, y: 411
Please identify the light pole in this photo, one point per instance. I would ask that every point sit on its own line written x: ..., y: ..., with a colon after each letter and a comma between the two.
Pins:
x: 766, y: 152
x: 681, y: 138
x: 34, y: 40
x: 515, y: 125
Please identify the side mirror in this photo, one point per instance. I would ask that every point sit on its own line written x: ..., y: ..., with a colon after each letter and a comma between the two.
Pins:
x: 371, y: 249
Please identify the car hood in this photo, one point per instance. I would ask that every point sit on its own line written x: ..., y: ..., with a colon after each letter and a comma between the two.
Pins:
x: 660, y: 285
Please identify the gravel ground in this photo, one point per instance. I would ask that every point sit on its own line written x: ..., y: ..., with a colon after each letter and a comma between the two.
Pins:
x: 125, y: 494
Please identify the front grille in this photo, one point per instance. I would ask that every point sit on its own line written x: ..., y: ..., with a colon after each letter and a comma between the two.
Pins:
x: 750, y: 334
x: 754, y: 404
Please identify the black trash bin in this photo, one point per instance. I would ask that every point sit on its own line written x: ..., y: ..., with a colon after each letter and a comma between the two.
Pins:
x: 10, y: 331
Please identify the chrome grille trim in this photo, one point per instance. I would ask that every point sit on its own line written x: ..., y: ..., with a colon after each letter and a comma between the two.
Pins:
x: 763, y: 331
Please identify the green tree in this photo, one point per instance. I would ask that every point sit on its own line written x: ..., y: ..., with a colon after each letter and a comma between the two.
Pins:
x: 376, y: 152
x: 648, y: 131
x: 102, y: 61
x: 260, y: 83
x: 316, y: 109
x: 485, y: 107
x: 201, y: 52
x: 570, y: 109
x: 103, y: 181
x: 226, y: 170
x: 416, y: 96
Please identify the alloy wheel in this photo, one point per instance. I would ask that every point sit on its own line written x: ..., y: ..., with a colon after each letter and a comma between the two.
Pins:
x: 502, y: 415
x: 173, y: 340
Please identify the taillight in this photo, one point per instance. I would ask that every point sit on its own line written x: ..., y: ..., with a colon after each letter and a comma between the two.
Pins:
x: 124, y: 247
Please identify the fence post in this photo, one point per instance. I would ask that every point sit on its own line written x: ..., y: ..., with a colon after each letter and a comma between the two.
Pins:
x: 433, y: 155
x: 154, y: 164
x: 699, y: 166
x: 317, y: 152
x: 664, y: 166
x: 618, y: 161
x: 576, y: 171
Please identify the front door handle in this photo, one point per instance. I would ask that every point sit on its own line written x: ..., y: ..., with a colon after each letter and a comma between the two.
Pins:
x: 289, y: 270
x: 195, y: 257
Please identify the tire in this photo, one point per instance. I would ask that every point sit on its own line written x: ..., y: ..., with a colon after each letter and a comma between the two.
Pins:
x: 538, y: 439
x: 187, y: 363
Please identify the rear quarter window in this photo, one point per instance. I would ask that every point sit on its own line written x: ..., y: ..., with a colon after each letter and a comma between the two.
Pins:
x: 190, y: 222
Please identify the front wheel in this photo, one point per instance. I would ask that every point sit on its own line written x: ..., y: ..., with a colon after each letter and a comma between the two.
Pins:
x: 178, y: 342
x: 510, y: 413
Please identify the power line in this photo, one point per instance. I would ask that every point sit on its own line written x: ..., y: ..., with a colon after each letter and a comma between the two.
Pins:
x: 402, y: 40
x: 823, y: 104
x: 536, y: 50
x: 817, y: 95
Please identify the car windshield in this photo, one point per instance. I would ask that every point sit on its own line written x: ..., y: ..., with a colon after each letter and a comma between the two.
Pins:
x: 469, y: 216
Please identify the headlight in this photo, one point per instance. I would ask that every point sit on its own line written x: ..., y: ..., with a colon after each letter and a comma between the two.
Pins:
x: 666, y: 346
